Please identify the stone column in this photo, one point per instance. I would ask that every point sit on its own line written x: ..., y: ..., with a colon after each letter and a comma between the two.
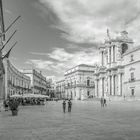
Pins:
x: 96, y: 88
x: 109, y: 91
x: 119, y: 84
x: 114, y: 53
x: 115, y: 85
x: 102, y: 56
x: 100, y: 87
x: 101, y: 93
x: 103, y: 87
x: 112, y: 84
x: 110, y: 54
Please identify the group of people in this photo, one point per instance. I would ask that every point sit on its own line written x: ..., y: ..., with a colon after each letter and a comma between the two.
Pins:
x: 8, y: 103
x: 103, y: 102
x: 32, y: 101
x: 69, y: 105
x: 24, y: 101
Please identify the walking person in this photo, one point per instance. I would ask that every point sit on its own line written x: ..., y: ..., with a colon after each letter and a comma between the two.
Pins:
x: 105, y: 104
x: 5, y: 105
x: 69, y: 105
x: 1, y: 107
x: 64, y: 106
x: 102, y: 102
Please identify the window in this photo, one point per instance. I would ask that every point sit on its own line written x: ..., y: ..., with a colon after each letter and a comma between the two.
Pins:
x: 131, y: 58
x: 87, y: 93
x: 132, y: 92
x: 132, y: 76
x: 88, y: 82
x: 114, y: 53
x: 124, y: 48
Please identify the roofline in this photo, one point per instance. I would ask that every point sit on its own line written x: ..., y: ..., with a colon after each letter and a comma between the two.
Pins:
x: 80, y: 65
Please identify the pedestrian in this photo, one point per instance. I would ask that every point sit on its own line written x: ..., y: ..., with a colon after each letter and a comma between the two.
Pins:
x: 1, y: 106
x: 124, y: 97
x: 64, y: 106
x: 5, y: 103
x: 102, y: 102
x: 105, y: 104
x: 69, y: 105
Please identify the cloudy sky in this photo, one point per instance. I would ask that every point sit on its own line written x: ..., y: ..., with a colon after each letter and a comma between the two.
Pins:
x: 55, y: 35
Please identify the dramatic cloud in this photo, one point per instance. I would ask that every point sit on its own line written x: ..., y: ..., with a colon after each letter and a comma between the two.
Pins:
x: 61, y: 55
x: 61, y: 60
x: 40, y: 64
x: 84, y: 24
x: 8, y: 12
x: 87, y: 20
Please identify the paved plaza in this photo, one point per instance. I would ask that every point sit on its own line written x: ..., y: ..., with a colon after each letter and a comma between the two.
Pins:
x: 87, y: 121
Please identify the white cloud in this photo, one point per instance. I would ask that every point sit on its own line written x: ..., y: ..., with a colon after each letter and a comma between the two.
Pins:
x: 8, y: 12
x: 67, y: 59
x: 63, y: 60
x: 40, y: 64
x: 37, y: 53
x: 60, y: 54
x: 87, y: 20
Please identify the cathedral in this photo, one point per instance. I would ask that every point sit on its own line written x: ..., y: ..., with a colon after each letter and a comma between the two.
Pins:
x: 118, y: 74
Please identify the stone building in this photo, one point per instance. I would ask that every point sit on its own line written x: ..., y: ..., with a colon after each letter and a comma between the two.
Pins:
x: 131, y: 64
x: 51, y: 86
x: 79, y: 82
x: 60, y: 89
x: 38, y: 81
x: 117, y: 64
x: 15, y: 81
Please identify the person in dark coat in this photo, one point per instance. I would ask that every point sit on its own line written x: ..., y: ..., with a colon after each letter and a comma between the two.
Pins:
x: 69, y: 105
x: 105, y: 104
x: 6, y: 105
x: 102, y: 102
x: 64, y: 106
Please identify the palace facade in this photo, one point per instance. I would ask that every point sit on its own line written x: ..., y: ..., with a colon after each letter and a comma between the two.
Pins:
x: 132, y: 72
x: 79, y: 82
x: 38, y: 81
x: 15, y: 82
x: 117, y: 76
x: 118, y: 73
x: 60, y: 89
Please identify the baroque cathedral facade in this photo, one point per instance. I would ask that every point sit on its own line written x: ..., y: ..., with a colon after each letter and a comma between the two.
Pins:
x: 117, y: 76
x: 118, y: 73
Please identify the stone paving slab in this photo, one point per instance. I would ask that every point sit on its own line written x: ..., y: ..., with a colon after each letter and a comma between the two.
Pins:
x: 87, y: 121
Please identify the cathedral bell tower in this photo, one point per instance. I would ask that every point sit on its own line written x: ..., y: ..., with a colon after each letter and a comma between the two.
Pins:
x: 124, y: 43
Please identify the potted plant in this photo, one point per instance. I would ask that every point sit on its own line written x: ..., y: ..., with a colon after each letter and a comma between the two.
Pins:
x: 13, y: 105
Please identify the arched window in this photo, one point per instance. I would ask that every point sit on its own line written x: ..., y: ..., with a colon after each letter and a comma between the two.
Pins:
x: 124, y: 47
